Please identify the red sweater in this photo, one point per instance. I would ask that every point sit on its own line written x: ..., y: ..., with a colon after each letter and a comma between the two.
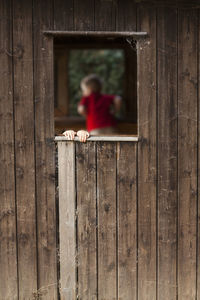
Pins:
x: 98, y: 110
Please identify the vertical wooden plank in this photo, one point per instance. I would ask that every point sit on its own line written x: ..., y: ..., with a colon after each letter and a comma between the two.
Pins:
x: 67, y: 198
x: 106, y: 198
x: 198, y: 161
x: 44, y: 134
x: 105, y: 15
x: 127, y: 220
x: 147, y: 155
x: 63, y: 15
x: 84, y: 15
x: 187, y: 153
x: 8, y: 255
x: 24, y: 148
x: 86, y: 213
x: 126, y: 15
x: 167, y: 153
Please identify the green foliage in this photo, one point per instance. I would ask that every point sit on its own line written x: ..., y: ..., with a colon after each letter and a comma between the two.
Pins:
x: 107, y: 63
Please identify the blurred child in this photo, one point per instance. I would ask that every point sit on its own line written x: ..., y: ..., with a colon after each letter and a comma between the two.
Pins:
x: 99, y: 109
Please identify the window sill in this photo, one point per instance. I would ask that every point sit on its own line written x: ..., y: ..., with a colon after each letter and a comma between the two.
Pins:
x: 106, y: 138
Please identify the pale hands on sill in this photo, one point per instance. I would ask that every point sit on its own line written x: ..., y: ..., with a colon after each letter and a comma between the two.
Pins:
x: 70, y: 134
x: 82, y: 135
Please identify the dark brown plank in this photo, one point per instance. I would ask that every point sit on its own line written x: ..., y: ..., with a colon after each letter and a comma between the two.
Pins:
x: 106, y: 199
x: 86, y: 212
x: 198, y: 166
x: 187, y: 153
x: 84, y: 15
x: 67, y: 226
x: 127, y: 220
x: 105, y: 15
x: 126, y: 14
x: 44, y: 134
x: 147, y: 156
x: 167, y: 153
x: 63, y: 15
x: 8, y: 254
x: 24, y: 147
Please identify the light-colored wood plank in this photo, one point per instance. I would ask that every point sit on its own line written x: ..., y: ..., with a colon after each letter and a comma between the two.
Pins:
x: 67, y: 231
x: 187, y: 153
x: 86, y: 214
x: 127, y: 220
x: 147, y: 156
x: 116, y: 138
x: 106, y: 198
x: 8, y: 254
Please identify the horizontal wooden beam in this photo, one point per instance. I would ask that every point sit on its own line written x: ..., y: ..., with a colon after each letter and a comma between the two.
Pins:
x: 107, y: 138
x: 96, y: 34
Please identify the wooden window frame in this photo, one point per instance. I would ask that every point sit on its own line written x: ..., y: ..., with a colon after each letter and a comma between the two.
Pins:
x: 106, y: 37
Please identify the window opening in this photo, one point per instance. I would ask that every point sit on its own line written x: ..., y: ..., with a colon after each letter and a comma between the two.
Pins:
x: 113, y: 59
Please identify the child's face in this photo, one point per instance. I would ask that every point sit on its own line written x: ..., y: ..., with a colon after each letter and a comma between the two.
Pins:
x: 85, y: 90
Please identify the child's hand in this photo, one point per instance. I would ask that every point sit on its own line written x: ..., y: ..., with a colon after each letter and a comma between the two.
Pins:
x: 83, y: 135
x: 70, y: 134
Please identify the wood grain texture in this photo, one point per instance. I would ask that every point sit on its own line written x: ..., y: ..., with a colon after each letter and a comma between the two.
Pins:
x: 187, y: 153
x: 146, y: 83
x: 63, y: 15
x: 106, y: 199
x: 167, y: 153
x: 67, y: 229
x: 86, y: 213
x: 105, y: 15
x: 24, y: 148
x: 198, y: 162
x: 127, y: 220
x: 8, y: 254
x: 44, y: 145
x: 126, y: 15
x: 83, y: 15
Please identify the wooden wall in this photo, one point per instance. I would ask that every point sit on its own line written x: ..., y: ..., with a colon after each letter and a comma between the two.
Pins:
x: 167, y: 156
x: 98, y: 220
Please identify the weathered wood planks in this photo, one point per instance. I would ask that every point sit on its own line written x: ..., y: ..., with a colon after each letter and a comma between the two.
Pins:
x: 63, y: 15
x: 44, y: 147
x: 107, y: 236
x: 8, y: 245
x: 147, y: 127
x: 198, y: 161
x: 127, y: 220
x: 86, y: 220
x: 83, y: 18
x: 24, y: 148
x: 105, y: 15
x: 167, y: 154
x: 27, y: 153
x: 187, y: 153
x: 67, y: 228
